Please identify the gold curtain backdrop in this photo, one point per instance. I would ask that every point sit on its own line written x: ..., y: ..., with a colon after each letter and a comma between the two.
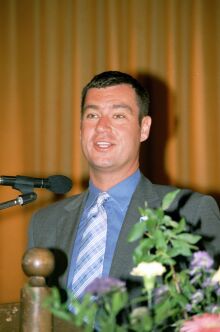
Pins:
x: 51, y: 48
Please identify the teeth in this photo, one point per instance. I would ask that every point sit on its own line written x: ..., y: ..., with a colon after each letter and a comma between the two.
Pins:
x: 103, y: 144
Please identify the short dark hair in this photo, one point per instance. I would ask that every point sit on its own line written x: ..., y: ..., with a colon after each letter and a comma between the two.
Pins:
x: 111, y: 78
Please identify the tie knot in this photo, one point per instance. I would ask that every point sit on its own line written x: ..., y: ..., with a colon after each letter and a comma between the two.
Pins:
x: 102, y: 197
x: 98, y: 205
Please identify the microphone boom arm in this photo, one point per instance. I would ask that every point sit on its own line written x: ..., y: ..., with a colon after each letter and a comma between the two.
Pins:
x: 20, y: 200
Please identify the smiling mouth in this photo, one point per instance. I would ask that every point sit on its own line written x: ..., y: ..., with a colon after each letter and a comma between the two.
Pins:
x: 103, y: 145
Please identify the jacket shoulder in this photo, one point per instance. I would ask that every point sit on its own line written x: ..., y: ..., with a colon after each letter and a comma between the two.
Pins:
x: 57, y: 209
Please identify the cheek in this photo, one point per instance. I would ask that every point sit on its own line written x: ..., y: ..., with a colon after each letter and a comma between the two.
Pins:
x: 132, y: 135
x: 129, y: 141
x: 84, y: 140
x: 85, y: 133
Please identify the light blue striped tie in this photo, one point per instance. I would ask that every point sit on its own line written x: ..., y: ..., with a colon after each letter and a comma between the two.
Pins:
x: 89, y: 264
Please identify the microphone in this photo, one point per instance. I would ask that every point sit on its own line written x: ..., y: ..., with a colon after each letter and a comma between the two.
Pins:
x: 59, y: 184
x: 20, y: 200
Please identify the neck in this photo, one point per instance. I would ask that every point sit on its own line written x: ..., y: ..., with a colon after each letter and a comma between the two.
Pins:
x: 105, y: 181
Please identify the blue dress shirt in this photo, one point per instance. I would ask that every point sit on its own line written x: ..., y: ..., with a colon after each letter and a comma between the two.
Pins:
x: 116, y: 208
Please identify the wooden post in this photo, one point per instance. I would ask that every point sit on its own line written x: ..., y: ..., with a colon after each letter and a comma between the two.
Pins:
x: 37, y: 264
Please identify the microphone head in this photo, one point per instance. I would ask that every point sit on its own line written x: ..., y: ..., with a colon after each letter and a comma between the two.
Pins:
x: 59, y: 184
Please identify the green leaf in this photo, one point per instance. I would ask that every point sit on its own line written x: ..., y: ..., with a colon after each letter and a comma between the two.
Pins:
x: 151, y: 224
x: 159, y: 215
x: 142, y: 250
x: 168, y: 199
x: 86, y: 310
x: 163, y: 310
x: 169, y: 222
x: 119, y: 300
x: 179, y: 248
x: 67, y: 316
x: 181, y: 226
x: 160, y: 240
x: 167, y: 261
x: 181, y: 300
x: 137, y: 231
x: 169, y: 234
x: 190, y: 238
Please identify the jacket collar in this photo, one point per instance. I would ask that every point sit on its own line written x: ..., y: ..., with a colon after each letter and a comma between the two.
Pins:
x: 144, y: 192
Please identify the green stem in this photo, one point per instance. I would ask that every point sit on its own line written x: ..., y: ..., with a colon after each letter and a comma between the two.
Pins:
x: 149, y: 297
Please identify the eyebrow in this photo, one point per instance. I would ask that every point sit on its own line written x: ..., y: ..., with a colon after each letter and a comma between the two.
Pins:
x: 114, y: 106
x: 90, y: 106
x: 125, y: 106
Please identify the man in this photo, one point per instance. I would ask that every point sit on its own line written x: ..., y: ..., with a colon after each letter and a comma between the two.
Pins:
x: 114, y: 122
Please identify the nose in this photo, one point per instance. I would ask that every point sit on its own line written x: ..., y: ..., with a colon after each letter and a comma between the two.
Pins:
x: 103, y: 123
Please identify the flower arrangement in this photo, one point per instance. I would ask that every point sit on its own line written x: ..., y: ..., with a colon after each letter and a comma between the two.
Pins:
x: 179, y: 289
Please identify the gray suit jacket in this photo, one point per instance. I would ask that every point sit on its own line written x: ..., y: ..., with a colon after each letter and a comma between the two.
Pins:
x: 55, y: 226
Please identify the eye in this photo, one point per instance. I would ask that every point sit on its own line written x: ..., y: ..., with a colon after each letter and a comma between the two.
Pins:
x: 91, y: 115
x: 119, y: 116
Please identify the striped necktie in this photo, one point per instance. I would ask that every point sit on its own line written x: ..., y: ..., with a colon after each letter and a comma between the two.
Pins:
x: 89, y: 264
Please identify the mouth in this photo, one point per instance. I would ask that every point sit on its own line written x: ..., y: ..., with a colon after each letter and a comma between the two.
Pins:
x: 103, y: 145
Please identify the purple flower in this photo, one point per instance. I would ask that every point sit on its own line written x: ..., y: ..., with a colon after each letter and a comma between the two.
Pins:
x: 197, y: 297
x: 200, y: 261
x: 218, y: 291
x: 104, y: 285
x: 207, y: 283
x: 189, y: 307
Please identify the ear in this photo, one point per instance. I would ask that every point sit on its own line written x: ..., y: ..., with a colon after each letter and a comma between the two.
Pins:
x: 145, y: 128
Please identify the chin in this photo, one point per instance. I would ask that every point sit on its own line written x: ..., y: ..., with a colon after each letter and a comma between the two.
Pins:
x: 104, y: 164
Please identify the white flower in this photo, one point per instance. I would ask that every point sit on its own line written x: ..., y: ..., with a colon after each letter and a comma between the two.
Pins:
x: 143, y: 218
x: 149, y: 270
x: 216, y: 276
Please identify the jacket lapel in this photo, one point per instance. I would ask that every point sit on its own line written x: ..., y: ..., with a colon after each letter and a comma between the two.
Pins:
x: 122, y: 261
x: 67, y: 229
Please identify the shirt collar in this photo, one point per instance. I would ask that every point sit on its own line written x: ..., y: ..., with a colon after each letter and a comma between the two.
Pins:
x: 121, y: 193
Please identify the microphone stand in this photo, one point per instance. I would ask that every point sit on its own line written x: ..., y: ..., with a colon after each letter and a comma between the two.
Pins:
x: 20, y: 200
x: 27, y: 196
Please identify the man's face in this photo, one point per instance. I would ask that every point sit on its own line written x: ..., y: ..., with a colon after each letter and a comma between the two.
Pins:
x: 110, y: 130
